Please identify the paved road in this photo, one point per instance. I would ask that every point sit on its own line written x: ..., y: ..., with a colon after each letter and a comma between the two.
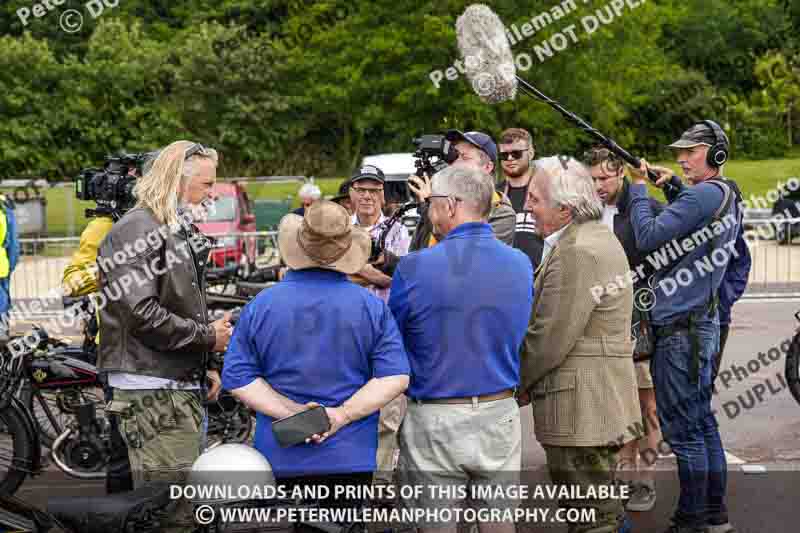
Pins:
x: 763, y: 432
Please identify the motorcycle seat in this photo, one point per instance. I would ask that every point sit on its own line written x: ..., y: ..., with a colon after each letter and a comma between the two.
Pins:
x: 139, y: 510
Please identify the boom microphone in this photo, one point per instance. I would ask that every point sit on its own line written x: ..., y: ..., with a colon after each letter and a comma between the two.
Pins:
x: 489, y: 66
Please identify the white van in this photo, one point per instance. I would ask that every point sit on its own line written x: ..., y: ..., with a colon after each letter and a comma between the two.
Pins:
x: 397, y: 168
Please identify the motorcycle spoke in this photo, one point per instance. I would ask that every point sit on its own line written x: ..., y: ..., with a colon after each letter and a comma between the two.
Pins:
x: 8, y: 463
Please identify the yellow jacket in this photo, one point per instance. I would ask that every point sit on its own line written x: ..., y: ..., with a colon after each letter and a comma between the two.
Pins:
x: 5, y: 265
x: 79, y: 276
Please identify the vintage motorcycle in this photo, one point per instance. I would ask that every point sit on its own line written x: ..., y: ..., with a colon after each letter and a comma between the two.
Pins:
x: 50, y: 397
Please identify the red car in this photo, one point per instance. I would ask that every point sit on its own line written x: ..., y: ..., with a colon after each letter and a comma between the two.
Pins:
x: 232, y: 214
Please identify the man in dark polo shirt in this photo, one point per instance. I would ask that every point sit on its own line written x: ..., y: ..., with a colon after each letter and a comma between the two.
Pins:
x: 519, y: 170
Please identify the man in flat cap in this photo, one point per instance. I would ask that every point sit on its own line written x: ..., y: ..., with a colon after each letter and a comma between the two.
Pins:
x: 693, y: 294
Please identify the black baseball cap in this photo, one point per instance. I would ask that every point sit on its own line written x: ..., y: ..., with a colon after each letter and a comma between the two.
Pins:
x: 368, y: 172
x: 697, y: 135
x: 475, y: 138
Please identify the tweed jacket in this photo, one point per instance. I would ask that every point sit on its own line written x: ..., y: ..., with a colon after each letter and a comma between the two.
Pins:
x: 576, y: 360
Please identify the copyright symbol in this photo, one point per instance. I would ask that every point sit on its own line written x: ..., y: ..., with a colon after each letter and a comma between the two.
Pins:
x: 644, y: 299
x: 71, y: 21
x: 484, y: 84
x: 204, y: 515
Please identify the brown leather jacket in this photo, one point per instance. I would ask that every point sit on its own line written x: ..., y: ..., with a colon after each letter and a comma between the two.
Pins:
x: 155, y: 320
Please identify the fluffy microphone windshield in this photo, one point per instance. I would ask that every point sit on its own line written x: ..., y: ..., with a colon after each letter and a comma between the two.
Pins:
x: 488, y: 61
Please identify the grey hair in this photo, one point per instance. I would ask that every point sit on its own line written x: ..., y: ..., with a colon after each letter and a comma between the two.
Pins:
x: 570, y: 185
x: 472, y: 186
x: 309, y: 190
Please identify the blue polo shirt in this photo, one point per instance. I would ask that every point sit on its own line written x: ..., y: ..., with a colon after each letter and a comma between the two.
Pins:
x: 316, y: 336
x: 463, y: 308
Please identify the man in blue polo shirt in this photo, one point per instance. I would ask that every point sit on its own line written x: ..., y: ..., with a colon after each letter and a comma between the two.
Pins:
x: 317, y: 338
x: 463, y: 308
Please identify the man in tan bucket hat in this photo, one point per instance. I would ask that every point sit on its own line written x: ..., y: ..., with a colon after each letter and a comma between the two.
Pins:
x: 323, y: 238
x: 316, y: 338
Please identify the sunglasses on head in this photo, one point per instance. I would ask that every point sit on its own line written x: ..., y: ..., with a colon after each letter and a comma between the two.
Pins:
x: 513, y: 154
x: 196, y: 148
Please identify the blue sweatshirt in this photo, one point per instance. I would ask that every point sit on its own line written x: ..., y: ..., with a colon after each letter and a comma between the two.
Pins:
x: 678, y: 244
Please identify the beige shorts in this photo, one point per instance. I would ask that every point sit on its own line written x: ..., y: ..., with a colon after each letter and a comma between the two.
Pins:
x: 449, y: 449
x: 643, y: 377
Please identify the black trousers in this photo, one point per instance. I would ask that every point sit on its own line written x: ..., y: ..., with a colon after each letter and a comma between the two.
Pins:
x: 118, y: 475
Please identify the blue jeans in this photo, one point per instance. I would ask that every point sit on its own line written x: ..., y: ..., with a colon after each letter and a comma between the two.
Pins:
x: 688, y: 423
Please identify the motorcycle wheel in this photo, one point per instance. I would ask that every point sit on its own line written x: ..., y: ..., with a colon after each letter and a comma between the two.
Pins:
x: 793, y: 368
x: 229, y: 421
x: 16, y: 451
x: 48, y: 432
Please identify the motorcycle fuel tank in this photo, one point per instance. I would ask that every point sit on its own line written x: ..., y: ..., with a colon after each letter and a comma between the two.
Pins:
x: 62, y: 368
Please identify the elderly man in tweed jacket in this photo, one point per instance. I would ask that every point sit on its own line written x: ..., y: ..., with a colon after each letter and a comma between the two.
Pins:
x: 576, y: 360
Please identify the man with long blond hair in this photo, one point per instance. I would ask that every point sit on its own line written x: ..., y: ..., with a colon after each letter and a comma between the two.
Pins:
x: 156, y: 337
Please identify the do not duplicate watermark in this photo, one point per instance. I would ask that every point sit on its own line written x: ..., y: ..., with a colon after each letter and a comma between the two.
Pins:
x: 70, y: 20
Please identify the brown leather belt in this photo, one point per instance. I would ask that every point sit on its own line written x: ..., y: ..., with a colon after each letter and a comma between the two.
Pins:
x: 502, y: 395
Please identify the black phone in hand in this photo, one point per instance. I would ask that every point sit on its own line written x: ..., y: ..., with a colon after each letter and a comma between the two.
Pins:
x: 297, y: 428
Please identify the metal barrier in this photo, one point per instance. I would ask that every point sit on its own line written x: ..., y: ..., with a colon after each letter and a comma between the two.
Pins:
x: 776, y: 260
x: 42, y: 262
x: 775, y: 270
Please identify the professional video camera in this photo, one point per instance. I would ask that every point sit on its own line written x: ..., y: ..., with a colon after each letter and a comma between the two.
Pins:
x: 111, y: 186
x: 434, y: 153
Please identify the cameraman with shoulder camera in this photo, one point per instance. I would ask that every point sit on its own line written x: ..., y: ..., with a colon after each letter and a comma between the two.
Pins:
x: 111, y: 188
x: 156, y: 337
x: 79, y: 277
x: 475, y: 150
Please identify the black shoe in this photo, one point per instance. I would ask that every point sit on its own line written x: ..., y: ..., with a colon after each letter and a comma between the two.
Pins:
x: 722, y: 528
x: 686, y: 529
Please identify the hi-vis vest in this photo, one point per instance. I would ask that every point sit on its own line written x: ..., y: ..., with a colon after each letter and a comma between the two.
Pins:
x: 4, y: 265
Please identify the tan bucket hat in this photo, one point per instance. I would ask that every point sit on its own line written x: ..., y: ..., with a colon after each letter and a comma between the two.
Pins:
x: 324, y: 238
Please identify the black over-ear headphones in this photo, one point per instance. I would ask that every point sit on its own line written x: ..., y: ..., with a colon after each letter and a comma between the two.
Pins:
x: 717, y: 154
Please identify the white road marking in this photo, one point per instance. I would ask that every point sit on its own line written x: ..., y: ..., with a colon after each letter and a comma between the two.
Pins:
x: 733, y: 460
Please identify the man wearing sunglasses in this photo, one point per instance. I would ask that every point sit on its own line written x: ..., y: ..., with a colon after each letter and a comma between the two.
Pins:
x: 519, y: 169
x: 472, y: 149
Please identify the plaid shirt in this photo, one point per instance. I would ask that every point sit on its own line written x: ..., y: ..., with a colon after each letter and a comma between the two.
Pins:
x: 397, y: 242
